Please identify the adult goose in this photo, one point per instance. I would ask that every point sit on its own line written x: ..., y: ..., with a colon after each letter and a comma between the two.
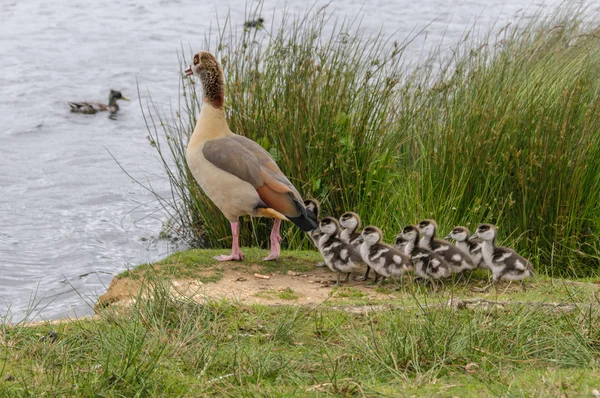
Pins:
x: 236, y: 173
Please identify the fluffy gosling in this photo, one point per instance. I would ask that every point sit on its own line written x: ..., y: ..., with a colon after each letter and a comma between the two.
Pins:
x: 472, y: 247
x: 505, y: 263
x: 350, y: 223
x: 385, y: 260
x: 428, y: 264
x: 338, y: 255
x: 458, y: 260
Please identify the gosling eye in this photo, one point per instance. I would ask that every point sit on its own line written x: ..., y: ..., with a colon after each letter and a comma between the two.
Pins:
x: 196, y: 59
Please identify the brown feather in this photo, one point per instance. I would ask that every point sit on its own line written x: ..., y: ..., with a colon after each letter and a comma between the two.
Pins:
x: 281, y: 202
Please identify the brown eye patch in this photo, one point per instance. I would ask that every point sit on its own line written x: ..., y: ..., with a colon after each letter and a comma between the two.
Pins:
x: 196, y: 59
x: 408, y: 229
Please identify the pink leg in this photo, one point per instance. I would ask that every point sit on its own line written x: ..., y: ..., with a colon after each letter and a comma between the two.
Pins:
x: 275, y: 239
x: 236, y: 253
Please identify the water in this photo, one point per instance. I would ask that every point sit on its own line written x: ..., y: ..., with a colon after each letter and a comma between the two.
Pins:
x: 70, y: 218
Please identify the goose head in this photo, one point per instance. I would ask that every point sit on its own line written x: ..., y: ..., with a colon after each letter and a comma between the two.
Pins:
x: 207, y: 68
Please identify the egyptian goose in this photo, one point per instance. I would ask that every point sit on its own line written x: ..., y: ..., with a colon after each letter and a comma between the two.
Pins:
x: 472, y: 247
x: 458, y: 260
x: 339, y: 256
x: 236, y: 173
x: 90, y: 108
x: 504, y: 263
x: 428, y: 264
x: 383, y: 259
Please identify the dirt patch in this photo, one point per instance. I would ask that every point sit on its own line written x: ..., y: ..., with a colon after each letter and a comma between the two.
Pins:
x: 248, y: 285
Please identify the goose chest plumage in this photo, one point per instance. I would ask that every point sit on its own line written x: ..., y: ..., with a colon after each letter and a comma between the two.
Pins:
x: 236, y: 173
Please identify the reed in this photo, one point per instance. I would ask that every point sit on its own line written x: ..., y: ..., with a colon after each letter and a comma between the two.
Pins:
x: 503, y: 131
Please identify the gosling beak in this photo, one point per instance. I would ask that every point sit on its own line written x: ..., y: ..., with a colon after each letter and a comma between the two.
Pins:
x: 125, y: 98
x: 188, y: 72
x: 475, y: 235
x: 448, y: 237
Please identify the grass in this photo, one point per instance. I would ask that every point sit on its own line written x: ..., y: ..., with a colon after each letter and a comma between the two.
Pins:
x: 164, y: 345
x: 503, y: 131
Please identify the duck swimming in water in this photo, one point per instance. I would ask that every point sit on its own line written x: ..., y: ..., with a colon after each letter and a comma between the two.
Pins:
x: 90, y: 108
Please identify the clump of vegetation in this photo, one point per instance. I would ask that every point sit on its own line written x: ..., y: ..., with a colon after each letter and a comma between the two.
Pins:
x: 504, y: 131
x: 165, y: 345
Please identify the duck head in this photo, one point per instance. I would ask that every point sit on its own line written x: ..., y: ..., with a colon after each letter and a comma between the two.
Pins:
x: 115, y: 95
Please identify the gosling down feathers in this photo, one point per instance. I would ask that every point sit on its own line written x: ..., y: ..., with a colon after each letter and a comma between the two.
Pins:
x: 458, y: 260
x: 313, y: 205
x: 472, y: 247
x: 339, y: 256
x: 428, y: 264
x: 505, y: 263
x: 236, y: 173
x: 90, y: 108
x: 385, y: 260
x: 350, y: 223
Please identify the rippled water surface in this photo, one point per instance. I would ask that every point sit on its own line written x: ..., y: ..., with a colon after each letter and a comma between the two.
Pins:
x: 70, y: 218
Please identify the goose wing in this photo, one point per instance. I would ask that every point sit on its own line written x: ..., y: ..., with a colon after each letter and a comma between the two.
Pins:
x: 249, y: 162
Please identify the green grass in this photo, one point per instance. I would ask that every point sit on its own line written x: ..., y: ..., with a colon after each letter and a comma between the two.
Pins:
x: 200, y: 264
x: 175, y: 346
x: 503, y: 131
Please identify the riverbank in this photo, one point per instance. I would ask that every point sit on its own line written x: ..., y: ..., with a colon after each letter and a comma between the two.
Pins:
x: 189, y: 326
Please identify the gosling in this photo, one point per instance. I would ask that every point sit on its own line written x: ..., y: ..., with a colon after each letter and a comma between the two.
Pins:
x: 505, y: 263
x: 338, y: 255
x: 458, y: 260
x: 350, y: 223
x: 386, y: 261
x: 428, y: 264
x: 472, y: 247
x: 315, y: 234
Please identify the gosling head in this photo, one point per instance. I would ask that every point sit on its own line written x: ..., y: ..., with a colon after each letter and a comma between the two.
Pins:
x: 410, y: 233
x: 459, y: 234
x: 206, y: 67
x: 428, y: 228
x: 371, y: 235
x: 329, y: 226
x: 312, y: 205
x: 485, y: 232
x: 399, y: 240
x: 350, y: 220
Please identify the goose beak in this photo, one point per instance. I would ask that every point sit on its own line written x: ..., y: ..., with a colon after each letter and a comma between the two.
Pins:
x: 188, y: 72
x: 449, y: 236
x: 125, y: 98
x: 475, y: 235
